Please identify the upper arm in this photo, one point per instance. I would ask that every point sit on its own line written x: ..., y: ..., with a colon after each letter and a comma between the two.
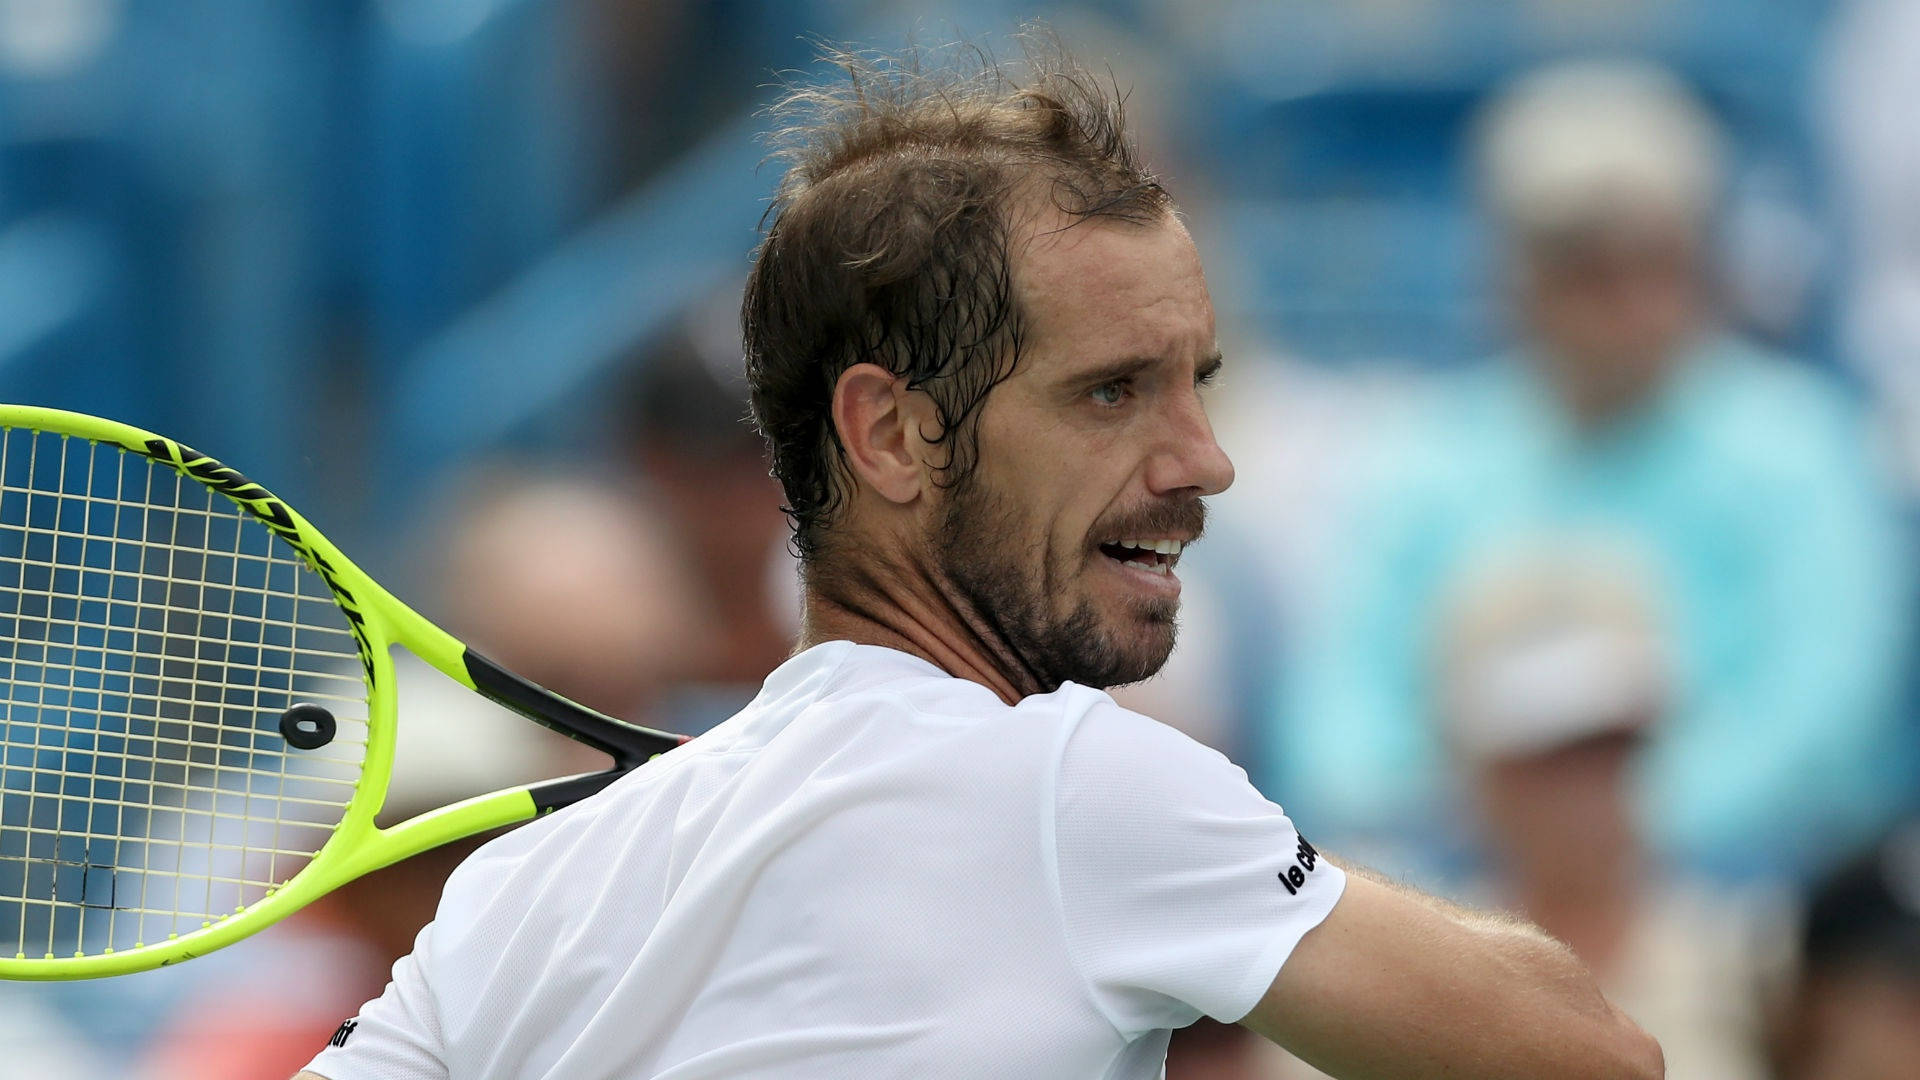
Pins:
x: 305, y: 1075
x: 1394, y: 984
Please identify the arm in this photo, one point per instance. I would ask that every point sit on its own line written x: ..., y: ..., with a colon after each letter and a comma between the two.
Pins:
x: 304, y: 1075
x: 1397, y: 984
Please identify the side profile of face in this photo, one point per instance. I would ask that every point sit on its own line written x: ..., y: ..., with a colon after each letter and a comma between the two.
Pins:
x: 1094, y: 455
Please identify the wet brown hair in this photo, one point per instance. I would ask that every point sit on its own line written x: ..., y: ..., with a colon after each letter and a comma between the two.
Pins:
x: 890, y: 239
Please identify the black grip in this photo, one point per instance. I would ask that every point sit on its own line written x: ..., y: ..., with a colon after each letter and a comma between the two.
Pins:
x: 568, y: 790
x: 628, y: 744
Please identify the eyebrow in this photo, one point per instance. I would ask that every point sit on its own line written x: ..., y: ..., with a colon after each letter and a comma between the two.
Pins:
x: 1114, y: 370
x: 1130, y: 366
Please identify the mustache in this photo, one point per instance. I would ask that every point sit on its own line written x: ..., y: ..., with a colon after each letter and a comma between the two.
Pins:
x: 1185, y: 518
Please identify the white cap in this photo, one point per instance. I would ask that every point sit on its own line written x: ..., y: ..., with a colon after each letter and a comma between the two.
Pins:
x: 1543, y: 652
x: 1578, y: 143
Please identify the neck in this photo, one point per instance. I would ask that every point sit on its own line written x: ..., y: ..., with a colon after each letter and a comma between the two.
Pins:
x: 912, y: 609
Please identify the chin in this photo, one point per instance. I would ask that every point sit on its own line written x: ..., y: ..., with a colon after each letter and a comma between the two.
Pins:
x: 1131, y: 649
x: 1153, y: 655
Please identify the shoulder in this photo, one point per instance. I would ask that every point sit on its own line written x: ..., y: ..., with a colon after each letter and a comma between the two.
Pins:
x: 515, y: 869
x: 1117, y: 765
x: 918, y: 705
x: 1083, y: 725
x: 1094, y: 725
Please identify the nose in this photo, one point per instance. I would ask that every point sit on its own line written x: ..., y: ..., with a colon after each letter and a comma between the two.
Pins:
x: 1191, y: 460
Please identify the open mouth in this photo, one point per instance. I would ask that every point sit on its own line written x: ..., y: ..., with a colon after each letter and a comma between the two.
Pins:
x: 1156, y: 556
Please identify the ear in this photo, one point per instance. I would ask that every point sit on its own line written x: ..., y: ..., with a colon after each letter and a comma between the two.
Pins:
x: 871, y: 413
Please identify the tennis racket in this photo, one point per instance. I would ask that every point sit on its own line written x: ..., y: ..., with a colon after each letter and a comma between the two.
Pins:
x: 197, y: 706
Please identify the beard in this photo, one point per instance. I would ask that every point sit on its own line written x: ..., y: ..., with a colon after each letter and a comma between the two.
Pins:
x: 1015, y: 593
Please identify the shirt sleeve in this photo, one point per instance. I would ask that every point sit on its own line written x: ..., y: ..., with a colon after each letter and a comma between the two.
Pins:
x: 396, y: 1036
x: 1183, y: 890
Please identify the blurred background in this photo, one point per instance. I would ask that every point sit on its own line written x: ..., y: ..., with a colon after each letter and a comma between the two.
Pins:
x: 1573, y: 385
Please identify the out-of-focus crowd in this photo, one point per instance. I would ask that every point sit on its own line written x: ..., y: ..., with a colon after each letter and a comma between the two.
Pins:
x: 1613, y: 628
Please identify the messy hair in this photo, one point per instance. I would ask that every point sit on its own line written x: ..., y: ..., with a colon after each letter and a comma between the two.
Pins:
x: 890, y: 240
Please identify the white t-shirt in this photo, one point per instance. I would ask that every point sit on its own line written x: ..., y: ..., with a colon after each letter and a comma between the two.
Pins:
x: 875, y: 870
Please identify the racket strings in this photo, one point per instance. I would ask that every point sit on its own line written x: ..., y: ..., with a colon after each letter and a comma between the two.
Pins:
x: 152, y: 634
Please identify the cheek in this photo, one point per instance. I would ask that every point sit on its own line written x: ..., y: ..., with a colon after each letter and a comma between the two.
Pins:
x: 1038, y: 490
x: 1080, y: 507
x: 1058, y: 478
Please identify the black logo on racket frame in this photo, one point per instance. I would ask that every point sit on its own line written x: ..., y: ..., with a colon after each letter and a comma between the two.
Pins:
x: 1305, y: 859
x: 274, y: 514
x: 344, y: 1032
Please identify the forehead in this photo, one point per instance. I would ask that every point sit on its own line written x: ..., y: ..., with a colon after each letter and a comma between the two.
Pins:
x: 1102, y: 288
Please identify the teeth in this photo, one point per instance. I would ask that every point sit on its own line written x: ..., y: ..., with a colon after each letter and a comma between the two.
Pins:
x: 1163, y: 547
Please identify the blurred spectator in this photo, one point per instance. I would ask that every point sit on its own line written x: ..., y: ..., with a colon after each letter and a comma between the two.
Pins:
x: 578, y: 585
x: 1625, y: 421
x: 1856, y: 1015
x: 1554, y: 675
x: 570, y: 583
x: 687, y: 418
x: 1553, y: 672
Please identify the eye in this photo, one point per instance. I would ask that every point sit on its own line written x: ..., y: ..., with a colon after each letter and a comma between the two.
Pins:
x: 1111, y: 393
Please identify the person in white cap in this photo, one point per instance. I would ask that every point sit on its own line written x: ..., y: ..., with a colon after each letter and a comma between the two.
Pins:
x: 1602, y: 179
x: 1555, y: 668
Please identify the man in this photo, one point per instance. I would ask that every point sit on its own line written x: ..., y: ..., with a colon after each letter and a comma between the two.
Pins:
x: 1627, y: 420
x: 976, y: 336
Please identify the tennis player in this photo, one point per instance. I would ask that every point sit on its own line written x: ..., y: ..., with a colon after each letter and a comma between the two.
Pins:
x: 978, y: 339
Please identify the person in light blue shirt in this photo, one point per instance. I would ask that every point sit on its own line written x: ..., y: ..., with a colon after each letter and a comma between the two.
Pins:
x: 1624, y: 429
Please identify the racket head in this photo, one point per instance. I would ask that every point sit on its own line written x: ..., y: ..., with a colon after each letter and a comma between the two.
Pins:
x: 168, y: 782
